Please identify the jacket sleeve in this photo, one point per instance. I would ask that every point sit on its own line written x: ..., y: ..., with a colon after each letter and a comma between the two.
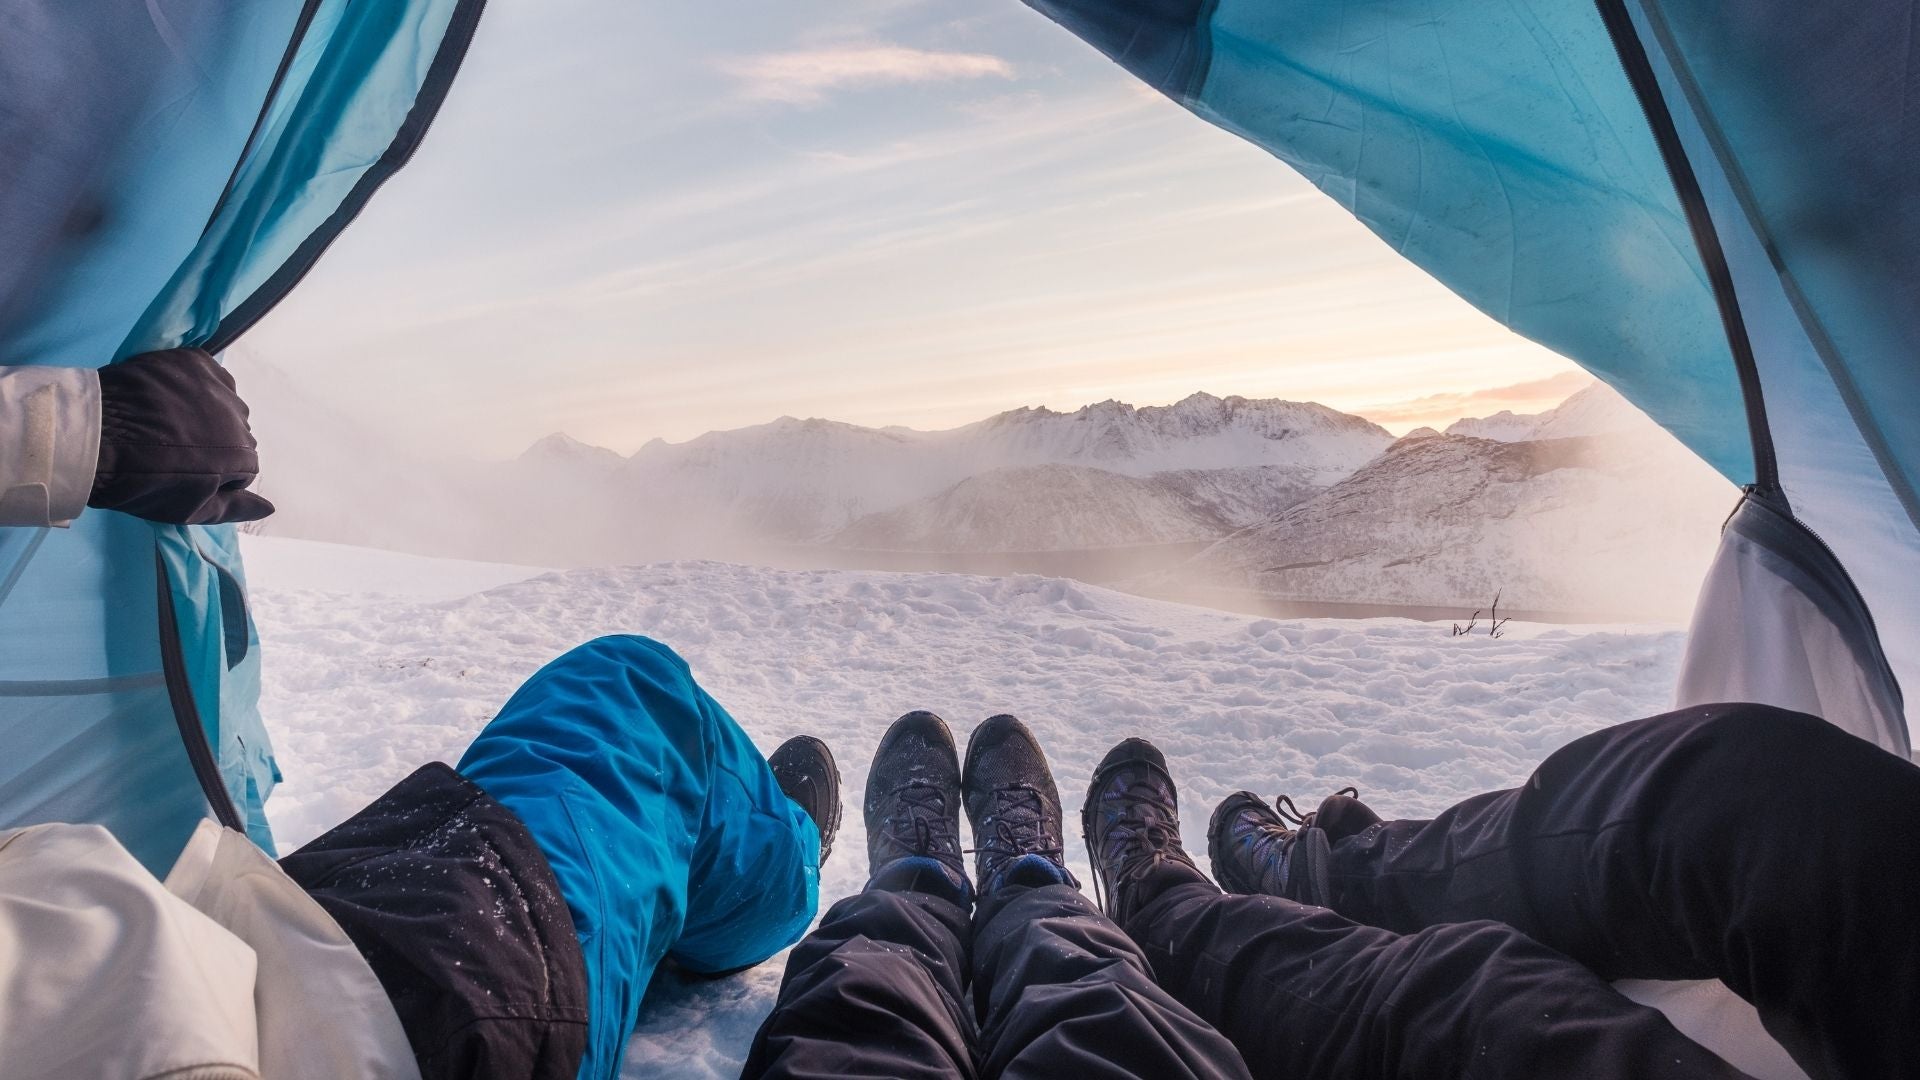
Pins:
x: 49, y: 443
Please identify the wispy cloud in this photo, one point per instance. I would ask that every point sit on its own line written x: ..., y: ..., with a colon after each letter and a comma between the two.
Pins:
x: 805, y: 77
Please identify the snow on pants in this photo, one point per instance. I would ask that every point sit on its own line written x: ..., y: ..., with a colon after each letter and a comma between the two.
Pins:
x: 881, y: 990
x: 1765, y: 848
x: 1304, y: 992
x: 661, y: 821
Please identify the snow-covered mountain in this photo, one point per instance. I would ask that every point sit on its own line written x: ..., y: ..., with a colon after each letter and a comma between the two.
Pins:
x: 1618, y: 519
x: 1198, y: 432
x: 1195, y: 469
x: 1594, y: 410
x: 1076, y: 507
x: 561, y: 450
x: 1037, y: 508
x: 1032, y: 479
x: 1588, y: 507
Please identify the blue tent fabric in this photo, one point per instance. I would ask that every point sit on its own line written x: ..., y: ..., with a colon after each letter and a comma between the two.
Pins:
x: 1810, y: 111
x: 135, y: 115
x: 661, y: 821
x: 353, y: 104
x: 208, y: 155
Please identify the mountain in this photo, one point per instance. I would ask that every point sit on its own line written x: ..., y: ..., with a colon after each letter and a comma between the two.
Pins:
x: 1215, y: 464
x: 1622, y: 522
x: 1028, y: 480
x: 1503, y: 426
x: 1595, y: 410
x: 1588, y: 507
x: 563, y: 450
x: 1037, y: 508
x: 1198, y: 432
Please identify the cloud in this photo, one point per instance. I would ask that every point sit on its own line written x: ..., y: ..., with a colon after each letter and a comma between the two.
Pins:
x: 805, y: 77
x: 1536, y: 395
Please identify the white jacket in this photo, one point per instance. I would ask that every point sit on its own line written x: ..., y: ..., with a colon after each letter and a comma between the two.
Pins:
x: 49, y: 443
x: 227, y: 971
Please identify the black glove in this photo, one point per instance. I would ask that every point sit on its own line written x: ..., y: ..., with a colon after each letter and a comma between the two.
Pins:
x: 174, y: 442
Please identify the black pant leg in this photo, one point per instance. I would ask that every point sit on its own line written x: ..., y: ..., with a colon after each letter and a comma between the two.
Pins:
x: 1063, y: 992
x: 877, y: 990
x: 455, y: 908
x: 1765, y: 848
x: 1304, y: 992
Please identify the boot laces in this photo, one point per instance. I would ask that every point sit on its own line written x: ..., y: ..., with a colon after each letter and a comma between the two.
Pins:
x: 921, y: 825
x: 1289, y: 813
x: 1019, y: 817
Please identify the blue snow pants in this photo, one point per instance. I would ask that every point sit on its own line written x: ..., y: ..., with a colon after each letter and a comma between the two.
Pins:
x: 660, y: 818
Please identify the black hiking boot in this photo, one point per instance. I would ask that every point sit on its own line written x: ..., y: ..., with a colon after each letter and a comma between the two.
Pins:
x: 1276, y: 850
x: 804, y: 769
x: 1132, y: 823
x: 1014, y: 808
x: 913, y: 810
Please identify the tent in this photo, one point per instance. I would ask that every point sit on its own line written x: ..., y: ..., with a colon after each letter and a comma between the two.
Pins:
x: 1714, y: 208
x: 173, y: 169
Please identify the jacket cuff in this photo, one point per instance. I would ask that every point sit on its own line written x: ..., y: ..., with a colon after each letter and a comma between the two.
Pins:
x: 49, y: 443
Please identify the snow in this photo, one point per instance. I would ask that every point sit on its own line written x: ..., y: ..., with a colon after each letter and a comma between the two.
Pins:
x: 290, y: 565
x: 376, y: 663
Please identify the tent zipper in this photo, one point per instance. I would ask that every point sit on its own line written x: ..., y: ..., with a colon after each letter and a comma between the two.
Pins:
x: 300, y: 26
x: 1766, y: 488
x: 433, y: 92
x: 1632, y: 56
x: 193, y: 732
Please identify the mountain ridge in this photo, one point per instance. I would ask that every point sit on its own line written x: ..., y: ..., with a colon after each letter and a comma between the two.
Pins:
x: 1586, y: 507
x: 1287, y: 499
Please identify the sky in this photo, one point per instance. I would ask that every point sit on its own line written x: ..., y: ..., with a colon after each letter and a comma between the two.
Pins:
x: 653, y: 220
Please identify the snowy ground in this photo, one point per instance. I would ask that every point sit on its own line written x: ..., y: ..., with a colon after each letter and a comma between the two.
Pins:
x: 376, y: 663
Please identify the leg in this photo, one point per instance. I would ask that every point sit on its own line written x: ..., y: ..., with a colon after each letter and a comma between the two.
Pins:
x: 450, y: 900
x: 878, y: 990
x: 1063, y: 992
x: 661, y: 821
x: 1765, y: 848
x: 875, y: 992
x: 1304, y: 992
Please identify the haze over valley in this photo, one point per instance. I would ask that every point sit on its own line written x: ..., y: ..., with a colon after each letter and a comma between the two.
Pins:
x: 1588, y: 510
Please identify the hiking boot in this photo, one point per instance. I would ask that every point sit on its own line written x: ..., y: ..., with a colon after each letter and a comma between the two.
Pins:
x: 1132, y: 824
x: 1278, y: 851
x: 913, y: 810
x: 1014, y: 808
x: 804, y: 769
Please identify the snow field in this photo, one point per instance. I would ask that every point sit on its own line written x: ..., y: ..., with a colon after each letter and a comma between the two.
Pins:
x: 361, y: 687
